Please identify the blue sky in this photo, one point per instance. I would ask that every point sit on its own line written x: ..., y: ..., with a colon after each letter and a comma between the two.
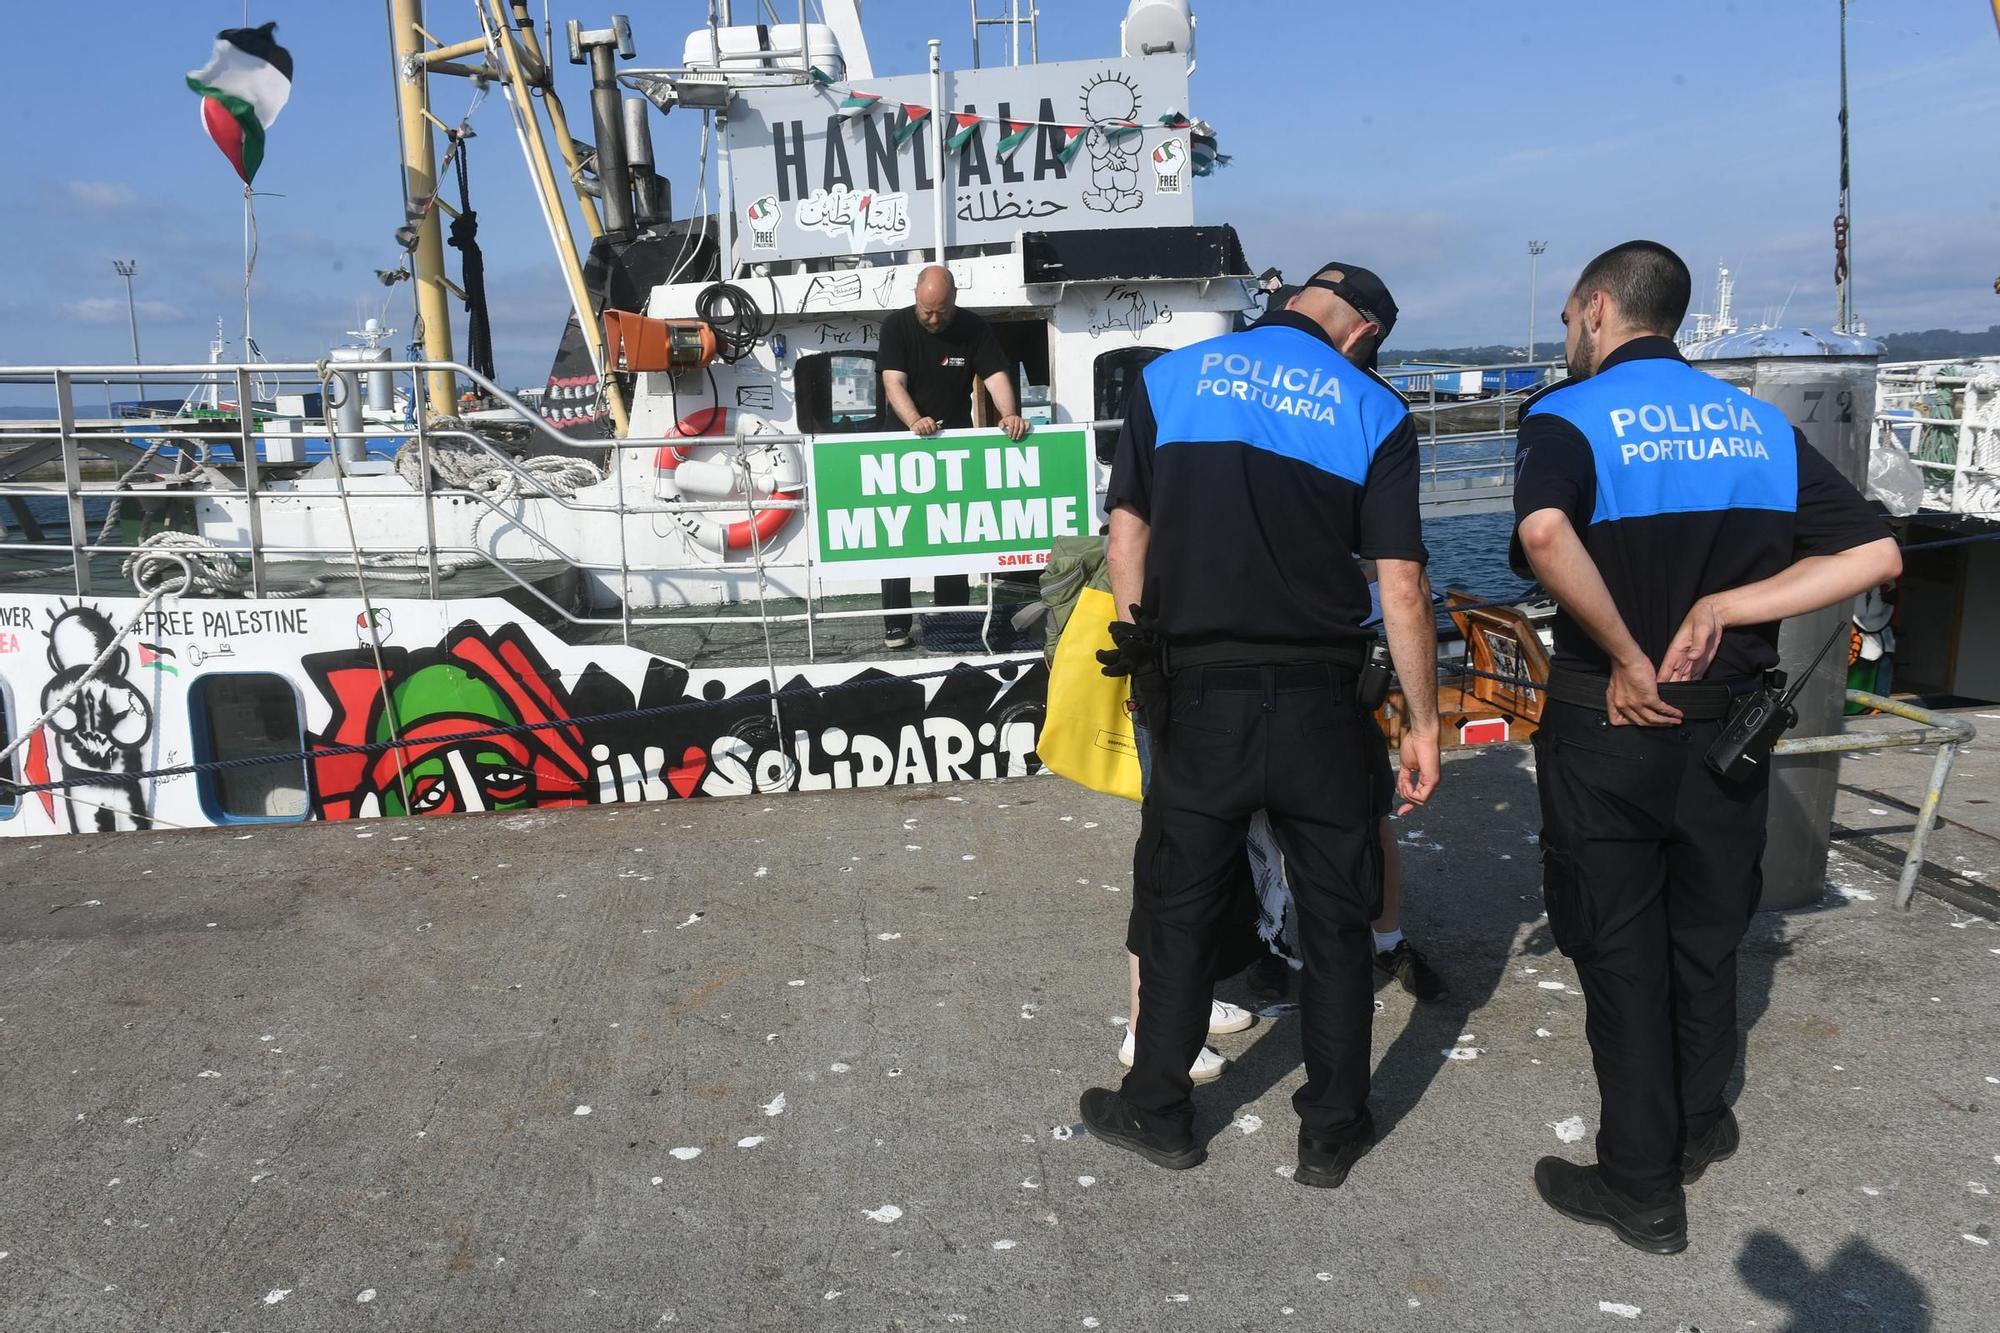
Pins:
x: 1427, y: 140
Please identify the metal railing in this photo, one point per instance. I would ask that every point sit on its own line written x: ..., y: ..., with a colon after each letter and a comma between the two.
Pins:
x: 225, y: 458
x: 1948, y: 733
x: 1470, y: 467
x: 1945, y: 416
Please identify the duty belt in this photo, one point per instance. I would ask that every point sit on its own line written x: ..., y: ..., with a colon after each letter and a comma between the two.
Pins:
x: 1184, y: 657
x: 1697, y: 700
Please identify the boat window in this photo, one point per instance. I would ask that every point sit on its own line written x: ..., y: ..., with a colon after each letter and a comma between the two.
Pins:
x: 243, y: 715
x: 837, y: 393
x: 1117, y: 371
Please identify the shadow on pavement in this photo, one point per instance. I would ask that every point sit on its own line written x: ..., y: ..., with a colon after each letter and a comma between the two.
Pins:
x: 1859, y: 1289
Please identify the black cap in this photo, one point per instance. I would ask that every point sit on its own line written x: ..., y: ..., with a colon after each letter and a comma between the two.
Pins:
x: 1360, y: 288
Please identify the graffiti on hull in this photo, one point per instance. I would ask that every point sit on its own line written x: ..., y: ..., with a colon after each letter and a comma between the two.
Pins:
x: 99, y: 733
x: 979, y: 725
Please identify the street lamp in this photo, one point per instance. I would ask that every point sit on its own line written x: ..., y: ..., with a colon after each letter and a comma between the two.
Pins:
x: 1535, y: 249
x: 126, y: 268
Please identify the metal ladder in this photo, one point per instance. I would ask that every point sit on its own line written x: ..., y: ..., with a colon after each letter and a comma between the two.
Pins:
x: 1015, y: 20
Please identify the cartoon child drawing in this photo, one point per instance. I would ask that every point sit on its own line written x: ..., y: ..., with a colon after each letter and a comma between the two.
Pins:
x: 99, y: 733
x: 1111, y: 105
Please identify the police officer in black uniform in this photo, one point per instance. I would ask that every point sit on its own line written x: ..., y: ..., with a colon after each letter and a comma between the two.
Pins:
x: 1676, y: 520
x: 1265, y: 461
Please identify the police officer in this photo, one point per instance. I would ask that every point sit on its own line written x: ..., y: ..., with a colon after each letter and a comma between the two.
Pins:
x: 1676, y: 520
x: 1265, y: 461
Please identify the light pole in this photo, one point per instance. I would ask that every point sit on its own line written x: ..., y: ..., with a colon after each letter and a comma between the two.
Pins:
x: 1535, y: 249
x: 126, y: 268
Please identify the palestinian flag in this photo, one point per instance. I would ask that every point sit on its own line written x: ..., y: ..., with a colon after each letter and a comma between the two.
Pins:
x: 1013, y: 133
x: 914, y: 117
x: 243, y: 88
x: 963, y: 127
x: 1073, y: 136
x: 858, y: 104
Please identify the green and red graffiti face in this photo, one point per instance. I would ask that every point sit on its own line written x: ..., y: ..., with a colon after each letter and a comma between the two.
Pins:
x: 494, y: 773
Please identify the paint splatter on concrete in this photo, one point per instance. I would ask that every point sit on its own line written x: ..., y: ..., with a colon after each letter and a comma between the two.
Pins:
x: 776, y: 1106
x: 1004, y: 1244
x: 581, y: 1110
x: 1064, y: 1133
x: 1543, y: 1032
x: 750, y: 1142
x: 1553, y: 985
x: 692, y: 919
x: 888, y: 935
x: 1618, y: 1308
x: 367, y: 1295
x: 1976, y: 1240
x: 1289, y: 1170
x: 888, y: 1212
x: 1569, y: 1131
x: 276, y: 1294
x: 683, y: 1154
x: 1086, y: 1181
x: 1249, y: 1124
x: 1462, y: 1053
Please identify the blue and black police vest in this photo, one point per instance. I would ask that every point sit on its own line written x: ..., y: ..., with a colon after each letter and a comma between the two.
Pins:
x: 1278, y: 389
x: 1263, y: 445
x: 1668, y: 439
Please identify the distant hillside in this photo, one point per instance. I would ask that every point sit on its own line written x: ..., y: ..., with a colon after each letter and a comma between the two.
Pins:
x: 1934, y: 344
x: 1929, y: 345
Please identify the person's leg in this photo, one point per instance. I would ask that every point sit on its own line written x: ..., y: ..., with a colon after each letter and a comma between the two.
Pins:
x: 951, y: 590
x: 1607, y: 796
x: 896, y: 597
x: 1324, y: 821
x: 1714, y: 878
x: 1187, y: 876
x: 1389, y: 925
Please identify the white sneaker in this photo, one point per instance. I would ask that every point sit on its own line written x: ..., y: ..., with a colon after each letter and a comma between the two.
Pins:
x: 1206, y: 1067
x: 1225, y: 1018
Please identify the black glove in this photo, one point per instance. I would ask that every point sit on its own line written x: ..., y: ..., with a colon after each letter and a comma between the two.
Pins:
x: 1138, y: 648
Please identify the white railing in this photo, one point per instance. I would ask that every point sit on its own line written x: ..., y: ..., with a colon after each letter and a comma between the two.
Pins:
x: 1939, y: 421
x: 227, y: 457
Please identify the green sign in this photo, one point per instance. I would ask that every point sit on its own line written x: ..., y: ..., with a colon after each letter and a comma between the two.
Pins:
x: 966, y: 501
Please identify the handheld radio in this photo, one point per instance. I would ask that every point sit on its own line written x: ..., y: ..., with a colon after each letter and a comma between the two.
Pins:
x: 1760, y: 718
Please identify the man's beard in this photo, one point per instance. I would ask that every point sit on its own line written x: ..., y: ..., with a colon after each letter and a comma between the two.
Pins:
x: 1584, y: 363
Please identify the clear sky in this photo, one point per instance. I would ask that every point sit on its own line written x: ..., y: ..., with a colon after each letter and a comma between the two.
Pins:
x: 1429, y: 140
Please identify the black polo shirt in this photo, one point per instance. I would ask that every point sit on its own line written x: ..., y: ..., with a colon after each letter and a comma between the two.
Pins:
x: 1265, y: 463
x: 941, y: 365
x: 1680, y: 486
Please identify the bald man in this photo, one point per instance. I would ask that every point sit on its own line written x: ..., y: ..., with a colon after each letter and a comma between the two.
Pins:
x: 928, y: 356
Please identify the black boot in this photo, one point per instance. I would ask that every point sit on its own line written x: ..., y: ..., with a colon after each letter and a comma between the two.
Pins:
x: 1324, y: 1163
x: 1107, y: 1116
x: 1718, y: 1144
x: 1580, y: 1193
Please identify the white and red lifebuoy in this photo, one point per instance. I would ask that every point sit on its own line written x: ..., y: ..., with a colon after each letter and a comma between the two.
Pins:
x: 775, y: 472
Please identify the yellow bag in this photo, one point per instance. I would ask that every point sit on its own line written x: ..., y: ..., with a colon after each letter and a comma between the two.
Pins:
x: 1088, y: 735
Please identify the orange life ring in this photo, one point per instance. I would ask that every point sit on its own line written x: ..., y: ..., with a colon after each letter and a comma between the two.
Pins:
x: 745, y: 534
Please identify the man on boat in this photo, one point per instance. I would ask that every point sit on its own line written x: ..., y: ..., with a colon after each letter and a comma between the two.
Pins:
x: 929, y: 355
x: 1650, y: 858
x: 1266, y: 461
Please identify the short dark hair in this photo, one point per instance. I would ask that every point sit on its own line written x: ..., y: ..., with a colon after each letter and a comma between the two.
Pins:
x: 1648, y: 283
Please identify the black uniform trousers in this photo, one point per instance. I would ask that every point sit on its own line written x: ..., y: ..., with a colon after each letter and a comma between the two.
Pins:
x: 1650, y: 870
x: 1289, y: 740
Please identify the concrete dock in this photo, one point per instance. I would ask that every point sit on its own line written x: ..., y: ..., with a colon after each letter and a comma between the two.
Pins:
x: 813, y: 1062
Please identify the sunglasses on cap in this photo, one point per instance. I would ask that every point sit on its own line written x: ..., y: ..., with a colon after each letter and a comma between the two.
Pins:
x: 1345, y: 291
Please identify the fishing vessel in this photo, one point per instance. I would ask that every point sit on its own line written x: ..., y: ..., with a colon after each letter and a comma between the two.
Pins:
x: 661, y: 580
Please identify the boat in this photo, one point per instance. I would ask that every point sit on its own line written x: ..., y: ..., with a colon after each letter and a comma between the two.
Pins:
x: 660, y: 579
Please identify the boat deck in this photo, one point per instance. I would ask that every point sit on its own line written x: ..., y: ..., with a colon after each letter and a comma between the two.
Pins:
x: 454, y: 1073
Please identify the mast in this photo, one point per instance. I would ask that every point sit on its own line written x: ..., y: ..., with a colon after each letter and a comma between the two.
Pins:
x: 419, y: 184
x: 1842, y: 222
